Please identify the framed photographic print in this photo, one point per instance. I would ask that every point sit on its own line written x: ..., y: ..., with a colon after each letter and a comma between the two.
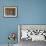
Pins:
x: 10, y: 11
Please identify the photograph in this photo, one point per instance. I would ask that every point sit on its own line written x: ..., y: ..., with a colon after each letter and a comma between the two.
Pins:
x: 10, y: 11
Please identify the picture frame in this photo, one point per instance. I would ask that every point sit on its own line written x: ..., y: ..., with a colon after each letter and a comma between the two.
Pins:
x: 10, y: 11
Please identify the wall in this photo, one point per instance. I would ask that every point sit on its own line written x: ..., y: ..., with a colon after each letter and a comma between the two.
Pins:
x: 7, y: 25
x: 29, y: 12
